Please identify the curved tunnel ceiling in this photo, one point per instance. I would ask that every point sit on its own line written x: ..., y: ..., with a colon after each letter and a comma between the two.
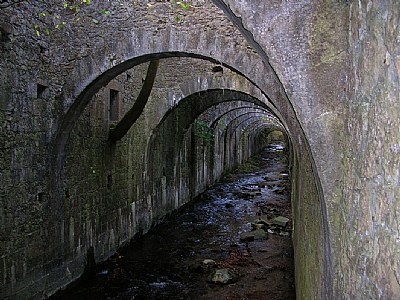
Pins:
x: 84, y: 98
x: 210, y: 106
x: 237, y: 110
x: 236, y: 115
x: 267, y: 113
x: 196, y: 104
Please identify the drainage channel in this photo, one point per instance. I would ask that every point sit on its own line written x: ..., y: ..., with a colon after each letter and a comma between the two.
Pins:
x: 232, y: 242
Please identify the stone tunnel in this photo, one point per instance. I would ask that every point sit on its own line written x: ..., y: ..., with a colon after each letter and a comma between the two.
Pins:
x: 120, y: 118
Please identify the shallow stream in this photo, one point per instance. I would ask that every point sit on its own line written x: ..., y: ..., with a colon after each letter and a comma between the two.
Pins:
x: 177, y: 259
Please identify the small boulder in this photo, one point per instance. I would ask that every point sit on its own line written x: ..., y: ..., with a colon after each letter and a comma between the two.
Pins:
x: 247, y: 237
x: 208, y: 262
x: 281, y: 221
x: 223, y: 276
x: 260, y: 234
x: 257, y: 225
x: 263, y: 220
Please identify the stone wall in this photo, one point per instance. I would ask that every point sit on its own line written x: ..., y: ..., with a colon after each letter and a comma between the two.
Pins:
x: 328, y: 70
x: 368, y: 250
x: 118, y: 190
x: 338, y: 62
x: 105, y: 193
x: 66, y: 189
x: 303, y: 42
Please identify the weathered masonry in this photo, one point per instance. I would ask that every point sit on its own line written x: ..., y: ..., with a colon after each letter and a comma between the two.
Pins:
x: 108, y: 126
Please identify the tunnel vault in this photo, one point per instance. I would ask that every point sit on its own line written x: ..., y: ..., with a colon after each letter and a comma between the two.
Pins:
x: 94, y: 194
x: 131, y: 182
x: 328, y: 71
x: 181, y: 122
x: 177, y: 164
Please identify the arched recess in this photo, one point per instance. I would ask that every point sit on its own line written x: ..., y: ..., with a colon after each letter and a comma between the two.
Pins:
x: 277, y: 101
x: 170, y: 162
x: 86, y: 93
x: 231, y: 135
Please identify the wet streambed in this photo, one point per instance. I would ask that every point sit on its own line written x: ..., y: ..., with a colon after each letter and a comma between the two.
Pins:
x: 236, y: 231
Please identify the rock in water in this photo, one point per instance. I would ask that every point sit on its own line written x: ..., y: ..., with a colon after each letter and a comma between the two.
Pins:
x: 247, y: 237
x: 281, y: 221
x: 223, y: 276
x: 209, y: 262
x: 258, y: 234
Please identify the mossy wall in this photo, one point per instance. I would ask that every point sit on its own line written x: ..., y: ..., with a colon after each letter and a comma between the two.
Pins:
x: 338, y: 63
x: 329, y: 70
x: 113, y: 191
x: 116, y: 190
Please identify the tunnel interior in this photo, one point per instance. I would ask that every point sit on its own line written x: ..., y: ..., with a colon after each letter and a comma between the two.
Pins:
x: 175, y: 138
x: 195, y: 126
x: 117, y: 119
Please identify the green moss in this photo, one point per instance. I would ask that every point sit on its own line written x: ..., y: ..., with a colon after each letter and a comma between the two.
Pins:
x: 325, y: 40
x: 203, y: 131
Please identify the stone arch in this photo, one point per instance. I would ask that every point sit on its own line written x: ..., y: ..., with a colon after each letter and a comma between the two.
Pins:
x: 234, y: 132
x: 190, y: 109
x: 181, y: 118
x: 87, y: 90
x: 260, y: 109
x: 222, y: 123
x: 92, y: 74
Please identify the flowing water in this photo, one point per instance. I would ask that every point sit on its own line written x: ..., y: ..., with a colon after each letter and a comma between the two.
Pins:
x: 176, y: 259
